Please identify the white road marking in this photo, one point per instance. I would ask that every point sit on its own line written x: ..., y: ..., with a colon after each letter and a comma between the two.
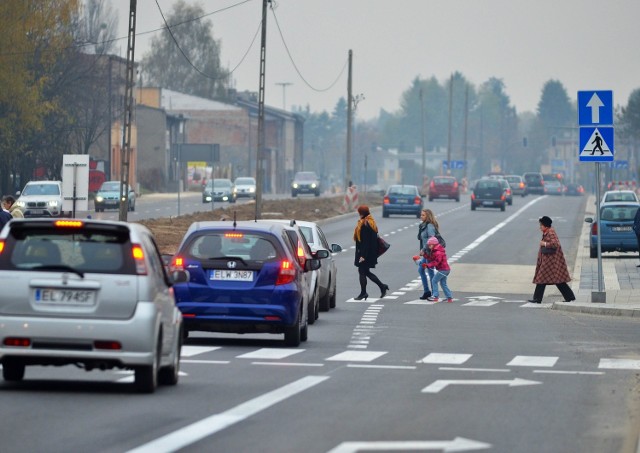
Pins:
x: 208, y: 362
x: 619, y: 364
x: 270, y: 353
x: 287, y: 364
x: 208, y: 426
x: 480, y: 303
x: 190, y: 351
x: 385, y: 367
x: 445, y: 359
x: 597, y: 373
x: 457, y: 444
x: 534, y: 361
x: 488, y: 370
x: 441, y: 384
x: 356, y: 356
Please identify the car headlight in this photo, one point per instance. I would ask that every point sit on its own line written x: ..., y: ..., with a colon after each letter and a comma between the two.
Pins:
x: 99, y: 199
x: 294, y: 185
x: 20, y: 204
x: 54, y: 203
x: 252, y: 189
x: 314, y: 185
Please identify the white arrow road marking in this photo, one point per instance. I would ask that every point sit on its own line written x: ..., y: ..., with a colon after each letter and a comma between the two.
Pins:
x: 484, y: 298
x: 594, y: 104
x: 457, y: 444
x: 440, y: 384
x: 208, y: 426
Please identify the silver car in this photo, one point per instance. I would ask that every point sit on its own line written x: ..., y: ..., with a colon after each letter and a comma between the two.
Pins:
x: 328, y: 273
x: 245, y: 186
x: 89, y: 293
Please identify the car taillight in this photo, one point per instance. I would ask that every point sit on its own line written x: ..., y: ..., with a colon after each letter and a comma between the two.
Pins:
x: 385, y: 200
x: 69, y: 223
x: 17, y: 342
x: 1, y: 246
x: 111, y: 345
x: 138, y: 256
x: 503, y: 197
x: 594, y: 228
x: 521, y: 185
x: 287, y: 273
x: 417, y: 200
x: 455, y: 185
x: 177, y: 264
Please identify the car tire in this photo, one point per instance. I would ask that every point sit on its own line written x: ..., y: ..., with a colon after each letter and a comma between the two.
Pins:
x: 385, y: 214
x: 292, y: 334
x: 325, y: 301
x: 418, y: 213
x: 170, y: 375
x: 12, y: 370
x: 593, y: 252
x: 511, y: 203
x: 146, y: 376
x: 458, y: 200
x: 317, y: 194
x: 503, y: 206
x: 430, y: 199
x: 312, y: 314
x: 332, y: 298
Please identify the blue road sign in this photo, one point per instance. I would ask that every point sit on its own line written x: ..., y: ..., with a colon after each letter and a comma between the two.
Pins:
x: 455, y: 164
x: 596, y: 144
x: 595, y: 108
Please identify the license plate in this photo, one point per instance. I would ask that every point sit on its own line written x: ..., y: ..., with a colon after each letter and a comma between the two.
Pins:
x: 36, y: 211
x: 402, y: 201
x: 49, y: 296
x: 232, y: 275
x: 621, y: 228
x: 487, y: 203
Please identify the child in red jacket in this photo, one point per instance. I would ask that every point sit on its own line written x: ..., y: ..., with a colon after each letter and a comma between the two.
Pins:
x: 437, y: 260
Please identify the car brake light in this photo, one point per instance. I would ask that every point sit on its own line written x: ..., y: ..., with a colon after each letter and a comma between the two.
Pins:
x: 287, y: 273
x: 69, y: 223
x: 18, y: 342
x: 385, y: 200
x: 1, y: 246
x: 138, y: 256
x: 521, y: 185
x: 502, y: 197
x: 234, y: 235
x: 177, y: 264
x: 455, y: 185
x: 112, y: 345
x: 417, y: 200
x: 594, y: 228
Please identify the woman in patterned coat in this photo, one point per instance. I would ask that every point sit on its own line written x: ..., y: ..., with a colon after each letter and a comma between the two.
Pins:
x: 551, y: 268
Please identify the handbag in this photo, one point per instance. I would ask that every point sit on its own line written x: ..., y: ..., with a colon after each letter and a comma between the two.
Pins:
x: 548, y: 250
x: 383, y: 246
x: 440, y: 239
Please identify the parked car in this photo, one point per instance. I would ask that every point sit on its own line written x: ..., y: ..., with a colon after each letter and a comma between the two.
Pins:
x: 218, y: 190
x: 488, y: 193
x: 245, y: 277
x: 619, y: 195
x: 616, y: 228
x: 574, y: 189
x: 534, y: 181
x: 444, y: 187
x: 88, y: 293
x: 553, y: 187
x: 517, y: 184
x: 328, y: 272
x: 402, y: 199
x: 245, y: 187
x: 108, y: 197
x: 306, y: 182
x: 41, y: 199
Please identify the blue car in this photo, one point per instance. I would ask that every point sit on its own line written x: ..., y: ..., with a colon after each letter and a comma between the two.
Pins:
x: 616, y: 232
x: 402, y: 199
x: 244, y: 277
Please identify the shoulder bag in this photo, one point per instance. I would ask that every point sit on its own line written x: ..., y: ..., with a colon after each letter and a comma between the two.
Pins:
x: 383, y: 246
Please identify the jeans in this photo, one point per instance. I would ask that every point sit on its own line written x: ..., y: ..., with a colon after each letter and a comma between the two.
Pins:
x: 440, y: 277
x: 423, y: 272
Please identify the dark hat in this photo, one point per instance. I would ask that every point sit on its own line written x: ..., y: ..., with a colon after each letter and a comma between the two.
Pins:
x: 363, y: 210
x: 545, y: 221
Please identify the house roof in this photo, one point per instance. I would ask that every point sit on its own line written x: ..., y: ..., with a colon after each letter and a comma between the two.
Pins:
x: 173, y: 100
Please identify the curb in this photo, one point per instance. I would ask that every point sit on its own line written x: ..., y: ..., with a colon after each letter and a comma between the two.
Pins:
x: 597, y: 309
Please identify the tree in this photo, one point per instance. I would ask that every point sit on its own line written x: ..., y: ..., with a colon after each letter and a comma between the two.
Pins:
x: 185, y: 57
x: 99, y: 26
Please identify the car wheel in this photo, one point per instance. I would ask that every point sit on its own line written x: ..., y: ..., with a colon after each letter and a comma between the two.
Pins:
x: 169, y: 375
x: 146, y: 376
x: 385, y: 214
x: 325, y: 301
x: 593, y: 252
x: 292, y: 334
x: 12, y: 370
x: 503, y: 206
x: 317, y: 194
x: 473, y: 207
x: 458, y: 200
x: 311, y: 311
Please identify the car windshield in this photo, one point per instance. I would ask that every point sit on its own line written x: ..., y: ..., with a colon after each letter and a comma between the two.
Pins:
x: 112, y: 186
x: 41, y: 189
x: 306, y: 176
x: 219, y: 183
x: 245, y: 181
x: 619, y: 213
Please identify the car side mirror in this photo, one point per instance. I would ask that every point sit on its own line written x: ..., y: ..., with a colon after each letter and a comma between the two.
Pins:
x: 321, y: 254
x: 336, y: 248
x: 589, y: 219
x: 312, y: 264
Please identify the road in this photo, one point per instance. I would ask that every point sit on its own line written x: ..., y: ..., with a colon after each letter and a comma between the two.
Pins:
x: 487, y: 372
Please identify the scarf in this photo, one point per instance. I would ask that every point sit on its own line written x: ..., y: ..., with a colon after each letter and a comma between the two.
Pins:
x: 368, y: 220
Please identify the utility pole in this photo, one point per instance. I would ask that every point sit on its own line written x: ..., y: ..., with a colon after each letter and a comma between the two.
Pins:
x: 466, y: 120
x: 128, y: 116
x: 284, y: 86
x: 449, y: 134
x: 349, y: 119
x: 260, y: 152
x: 424, y: 147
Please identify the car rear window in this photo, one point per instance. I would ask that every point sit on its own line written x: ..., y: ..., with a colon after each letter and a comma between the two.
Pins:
x: 488, y: 185
x: 221, y: 245
x: 403, y: 190
x: 83, y: 250
x: 620, y: 197
x: 619, y: 213
x: 444, y: 181
x: 512, y: 178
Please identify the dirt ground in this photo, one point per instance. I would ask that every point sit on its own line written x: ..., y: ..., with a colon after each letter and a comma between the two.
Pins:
x: 169, y: 231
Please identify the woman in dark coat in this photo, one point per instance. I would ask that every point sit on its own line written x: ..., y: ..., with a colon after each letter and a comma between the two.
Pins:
x: 551, y: 268
x: 366, y: 237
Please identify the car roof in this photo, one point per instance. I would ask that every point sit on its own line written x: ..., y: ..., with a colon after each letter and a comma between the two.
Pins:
x: 136, y: 229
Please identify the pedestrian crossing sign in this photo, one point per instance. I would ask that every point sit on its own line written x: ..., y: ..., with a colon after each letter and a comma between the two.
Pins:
x: 596, y: 144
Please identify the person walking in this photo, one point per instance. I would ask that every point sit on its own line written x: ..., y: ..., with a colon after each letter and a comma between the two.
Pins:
x: 437, y: 263
x: 366, y: 237
x: 9, y: 203
x: 426, y: 229
x: 551, y: 266
x: 636, y: 230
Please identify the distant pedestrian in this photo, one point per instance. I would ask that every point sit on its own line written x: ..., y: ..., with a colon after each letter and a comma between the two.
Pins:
x: 551, y: 266
x: 437, y: 263
x: 9, y: 203
x: 366, y: 237
x: 636, y: 229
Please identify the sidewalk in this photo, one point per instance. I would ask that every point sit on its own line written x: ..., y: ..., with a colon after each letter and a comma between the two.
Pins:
x: 621, y: 280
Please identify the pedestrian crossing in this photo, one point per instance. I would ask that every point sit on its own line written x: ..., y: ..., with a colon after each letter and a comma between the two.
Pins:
x: 207, y: 355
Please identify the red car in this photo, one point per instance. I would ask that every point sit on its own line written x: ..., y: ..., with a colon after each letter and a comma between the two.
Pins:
x: 444, y: 187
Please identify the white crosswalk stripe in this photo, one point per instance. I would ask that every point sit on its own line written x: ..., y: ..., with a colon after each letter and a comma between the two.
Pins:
x: 270, y: 353
x: 619, y: 364
x: 446, y: 359
x: 533, y: 361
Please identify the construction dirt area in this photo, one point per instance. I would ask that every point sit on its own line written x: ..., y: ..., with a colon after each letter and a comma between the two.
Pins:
x: 169, y: 231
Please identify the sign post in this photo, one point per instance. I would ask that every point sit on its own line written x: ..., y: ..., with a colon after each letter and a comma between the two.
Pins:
x: 595, y: 118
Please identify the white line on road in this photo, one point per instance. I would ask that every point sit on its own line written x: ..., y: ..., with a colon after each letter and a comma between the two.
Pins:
x: 457, y: 444
x: 197, y: 431
x: 441, y: 384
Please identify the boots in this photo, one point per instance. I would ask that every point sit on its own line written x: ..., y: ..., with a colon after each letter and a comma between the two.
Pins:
x: 426, y: 295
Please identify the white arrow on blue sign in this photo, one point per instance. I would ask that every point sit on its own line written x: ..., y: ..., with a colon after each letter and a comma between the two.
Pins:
x: 595, y: 108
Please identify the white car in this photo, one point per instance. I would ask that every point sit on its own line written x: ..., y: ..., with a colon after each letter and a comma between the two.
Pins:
x: 41, y: 199
x: 245, y: 186
x: 328, y: 272
x: 619, y: 195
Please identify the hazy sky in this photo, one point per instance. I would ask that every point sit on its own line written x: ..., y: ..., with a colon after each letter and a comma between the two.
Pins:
x: 585, y: 44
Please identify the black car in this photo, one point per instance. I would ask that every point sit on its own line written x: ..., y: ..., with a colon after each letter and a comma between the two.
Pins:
x: 488, y: 193
x: 305, y: 182
x: 534, y: 181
